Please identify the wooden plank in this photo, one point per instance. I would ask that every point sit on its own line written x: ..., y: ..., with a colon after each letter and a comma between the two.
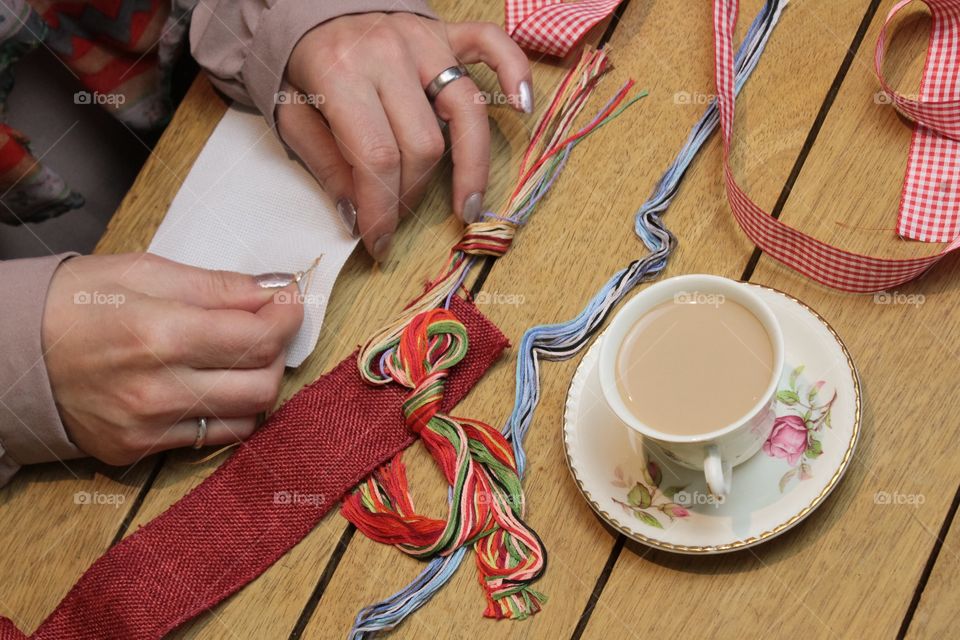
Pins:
x: 362, y: 300
x: 936, y: 613
x: 57, y: 519
x: 852, y: 567
x: 580, y: 236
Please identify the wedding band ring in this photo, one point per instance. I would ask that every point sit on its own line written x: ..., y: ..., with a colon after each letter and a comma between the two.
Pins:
x: 201, y: 433
x: 445, y: 77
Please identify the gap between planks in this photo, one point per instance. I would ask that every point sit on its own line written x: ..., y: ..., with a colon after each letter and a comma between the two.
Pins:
x: 485, y: 268
x: 747, y: 273
x: 619, y: 543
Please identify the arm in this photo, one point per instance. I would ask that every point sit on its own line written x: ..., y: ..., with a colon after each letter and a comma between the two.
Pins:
x: 244, y: 45
x: 366, y: 130
x: 30, y: 428
x: 116, y: 356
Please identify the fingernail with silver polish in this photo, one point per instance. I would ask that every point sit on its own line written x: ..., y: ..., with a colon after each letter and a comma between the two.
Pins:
x: 473, y: 208
x: 348, y: 213
x: 275, y: 280
x: 381, y: 248
x: 526, y: 97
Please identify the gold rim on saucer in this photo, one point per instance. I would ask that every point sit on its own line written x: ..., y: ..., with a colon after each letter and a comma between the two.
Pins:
x: 766, y: 535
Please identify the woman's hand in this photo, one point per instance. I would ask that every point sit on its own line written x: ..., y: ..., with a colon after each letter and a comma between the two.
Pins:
x: 138, y: 347
x: 365, y: 128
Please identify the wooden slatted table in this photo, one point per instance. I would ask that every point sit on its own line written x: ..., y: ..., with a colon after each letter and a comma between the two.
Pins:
x: 814, y: 146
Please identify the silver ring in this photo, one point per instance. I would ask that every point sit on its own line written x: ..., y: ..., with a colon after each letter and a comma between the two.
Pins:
x: 201, y: 433
x: 444, y: 78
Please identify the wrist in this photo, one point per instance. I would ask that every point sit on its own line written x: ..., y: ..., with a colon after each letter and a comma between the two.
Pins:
x: 30, y: 427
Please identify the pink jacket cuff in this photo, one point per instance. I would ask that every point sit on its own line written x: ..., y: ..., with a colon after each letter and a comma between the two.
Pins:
x: 245, y: 44
x: 30, y: 426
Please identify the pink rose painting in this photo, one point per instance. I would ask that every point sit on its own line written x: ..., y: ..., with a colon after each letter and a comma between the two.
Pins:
x: 794, y: 436
x: 788, y: 439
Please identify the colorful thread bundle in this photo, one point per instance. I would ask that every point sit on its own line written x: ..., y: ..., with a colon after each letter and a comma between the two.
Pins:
x: 487, y: 505
x: 509, y: 556
x: 563, y: 340
x: 494, y: 235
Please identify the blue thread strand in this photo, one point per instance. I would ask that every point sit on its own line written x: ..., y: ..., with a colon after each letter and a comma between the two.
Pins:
x: 563, y: 340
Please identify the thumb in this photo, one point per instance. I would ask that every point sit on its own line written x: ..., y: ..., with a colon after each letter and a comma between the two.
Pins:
x: 205, y: 288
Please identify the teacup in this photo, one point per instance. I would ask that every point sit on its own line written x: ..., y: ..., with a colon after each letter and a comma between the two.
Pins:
x: 715, y: 452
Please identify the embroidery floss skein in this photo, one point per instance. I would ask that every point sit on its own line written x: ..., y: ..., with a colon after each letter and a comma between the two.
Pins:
x: 487, y: 504
x: 563, y: 340
x: 494, y: 235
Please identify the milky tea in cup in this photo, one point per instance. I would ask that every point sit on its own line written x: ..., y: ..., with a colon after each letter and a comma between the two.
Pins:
x: 692, y: 363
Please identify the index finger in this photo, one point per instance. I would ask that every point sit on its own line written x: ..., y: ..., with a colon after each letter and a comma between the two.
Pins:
x: 362, y: 131
x: 461, y: 106
x: 235, y: 339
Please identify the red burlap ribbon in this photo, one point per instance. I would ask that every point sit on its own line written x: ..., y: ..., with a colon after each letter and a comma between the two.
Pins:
x: 266, y: 498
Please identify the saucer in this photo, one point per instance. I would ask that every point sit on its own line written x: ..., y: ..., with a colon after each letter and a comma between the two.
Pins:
x: 641, y: 493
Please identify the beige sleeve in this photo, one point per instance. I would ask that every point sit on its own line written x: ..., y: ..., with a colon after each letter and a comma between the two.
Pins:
x: 244, y: 44
x: 30, y: 426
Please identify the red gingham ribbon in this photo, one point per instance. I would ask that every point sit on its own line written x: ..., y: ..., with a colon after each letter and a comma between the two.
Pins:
x: 930, y: 203
x: 929, y: 207
x: 553, y: 27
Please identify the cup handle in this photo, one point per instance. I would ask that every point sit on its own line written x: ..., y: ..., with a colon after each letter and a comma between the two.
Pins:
x: 717, y: 472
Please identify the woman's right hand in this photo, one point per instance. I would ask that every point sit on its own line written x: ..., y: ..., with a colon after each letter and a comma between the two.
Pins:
x: 138, y: 347
x: 369, y: 133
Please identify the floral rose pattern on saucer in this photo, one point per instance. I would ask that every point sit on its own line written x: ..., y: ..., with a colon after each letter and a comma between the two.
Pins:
x: 644, y: 497
x: 794, y: 434
x: 795, y: 438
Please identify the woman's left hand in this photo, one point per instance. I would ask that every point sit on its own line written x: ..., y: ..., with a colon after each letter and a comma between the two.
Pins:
x: 366, y: 129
